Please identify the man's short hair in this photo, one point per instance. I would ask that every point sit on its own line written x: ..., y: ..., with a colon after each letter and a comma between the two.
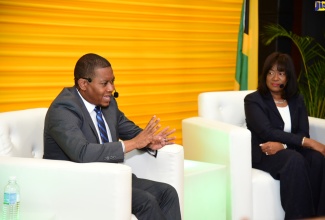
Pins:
x: 86, y: 65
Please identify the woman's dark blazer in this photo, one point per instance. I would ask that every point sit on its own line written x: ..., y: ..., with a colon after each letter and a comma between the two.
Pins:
x: 265, y: 122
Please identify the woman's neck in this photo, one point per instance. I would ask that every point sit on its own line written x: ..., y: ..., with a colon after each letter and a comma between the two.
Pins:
x: 278, y: 99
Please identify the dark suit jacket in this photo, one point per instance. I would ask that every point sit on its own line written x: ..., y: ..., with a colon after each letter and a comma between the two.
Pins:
x: 265, y: 122
x: 70, y: 134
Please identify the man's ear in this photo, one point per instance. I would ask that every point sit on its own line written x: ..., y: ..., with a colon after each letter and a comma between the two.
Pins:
x: 83, y: 83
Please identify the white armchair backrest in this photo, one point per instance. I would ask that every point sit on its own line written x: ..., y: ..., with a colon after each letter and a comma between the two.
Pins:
x: 22, y: 139
x: 224, y: 106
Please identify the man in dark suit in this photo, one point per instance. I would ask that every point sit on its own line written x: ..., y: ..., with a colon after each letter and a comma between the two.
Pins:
x: 72, y: 132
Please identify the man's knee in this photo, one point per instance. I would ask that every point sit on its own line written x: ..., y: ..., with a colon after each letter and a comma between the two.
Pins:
x: 146, y: 203
x: 170, y: 192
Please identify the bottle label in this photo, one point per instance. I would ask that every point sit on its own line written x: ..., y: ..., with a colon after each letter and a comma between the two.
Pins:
x: 10, y: 198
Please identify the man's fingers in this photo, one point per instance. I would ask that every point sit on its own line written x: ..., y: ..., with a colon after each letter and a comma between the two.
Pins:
x: 166, y: 132
x: 153, y: 124
x: 153, y: 121
x: 170, y: 139
x: 162, y: 132
x: 170, y: 132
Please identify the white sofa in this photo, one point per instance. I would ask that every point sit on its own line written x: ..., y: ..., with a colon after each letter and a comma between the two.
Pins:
x: 64, y: 190
x: 219, y: 135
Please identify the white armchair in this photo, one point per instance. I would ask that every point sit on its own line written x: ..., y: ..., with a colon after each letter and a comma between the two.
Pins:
x: 64, y: 190
x: 219, y: 135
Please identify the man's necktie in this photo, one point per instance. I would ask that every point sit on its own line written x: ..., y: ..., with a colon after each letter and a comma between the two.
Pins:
x: 101, y: 125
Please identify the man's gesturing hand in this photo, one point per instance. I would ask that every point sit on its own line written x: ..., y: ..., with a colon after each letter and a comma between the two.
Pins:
x: 145, y: 137
x: 162, y: 138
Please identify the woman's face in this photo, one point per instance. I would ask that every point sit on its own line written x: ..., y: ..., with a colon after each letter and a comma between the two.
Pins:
x: 276, y: 80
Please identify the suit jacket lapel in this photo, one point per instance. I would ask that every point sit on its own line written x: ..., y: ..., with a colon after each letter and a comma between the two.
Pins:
x: 86, y: 113
x: 293, y: 110
x: 272, y: 106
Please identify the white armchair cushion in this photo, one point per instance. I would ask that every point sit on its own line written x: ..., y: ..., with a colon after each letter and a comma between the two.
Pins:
x: 266, y: 196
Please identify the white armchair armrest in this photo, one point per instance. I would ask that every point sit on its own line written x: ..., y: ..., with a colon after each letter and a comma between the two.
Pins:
x: 64, y: 190
x: 220, y: 143
x: 167, y: 167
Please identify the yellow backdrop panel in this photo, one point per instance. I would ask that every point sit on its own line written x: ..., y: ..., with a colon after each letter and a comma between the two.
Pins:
x: 163, y: 52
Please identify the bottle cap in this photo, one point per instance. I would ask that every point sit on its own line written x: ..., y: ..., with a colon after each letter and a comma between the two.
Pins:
x: 12, y: 178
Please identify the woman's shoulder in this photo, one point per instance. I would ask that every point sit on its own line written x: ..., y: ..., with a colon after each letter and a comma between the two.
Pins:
x: 298, y: 98
x: 253, y: 96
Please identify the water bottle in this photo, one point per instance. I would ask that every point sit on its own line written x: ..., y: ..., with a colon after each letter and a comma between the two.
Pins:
x: 11, y: 200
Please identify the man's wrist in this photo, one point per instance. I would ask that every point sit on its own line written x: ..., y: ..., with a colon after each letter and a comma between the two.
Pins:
x: 123, y: 146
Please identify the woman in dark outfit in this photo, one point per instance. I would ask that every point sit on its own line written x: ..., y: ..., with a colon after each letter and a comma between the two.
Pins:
x: 277, y: 118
